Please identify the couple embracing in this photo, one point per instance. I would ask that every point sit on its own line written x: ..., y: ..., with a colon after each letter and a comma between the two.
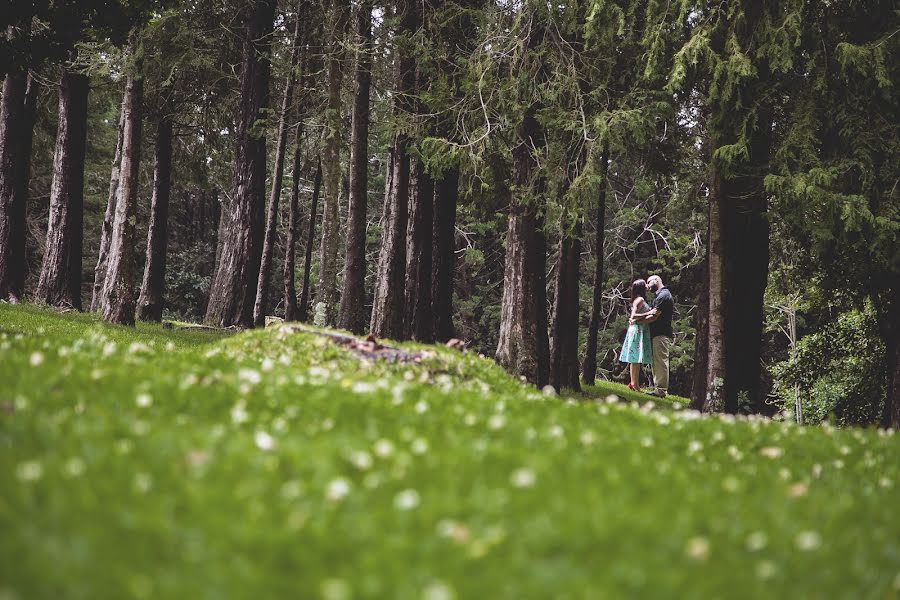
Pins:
x: 650, y: 335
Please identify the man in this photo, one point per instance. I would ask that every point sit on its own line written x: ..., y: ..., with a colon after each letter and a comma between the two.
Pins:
x: 661, y: 333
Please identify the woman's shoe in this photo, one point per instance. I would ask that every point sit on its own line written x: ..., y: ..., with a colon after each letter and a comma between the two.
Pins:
x: 631, y: 386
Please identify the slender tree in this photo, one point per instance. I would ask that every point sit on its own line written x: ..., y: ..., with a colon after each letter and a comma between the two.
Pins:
x: 564, y: 328
x: 150, y: 303
x: 233, y: 289
x: 443, y: 259
x: 388, y: 304
x: 108, y: 217
x: 290, y: 250
x: 352, y: 314
x: 327, y: 289
x: 419, y: 254
x: 60, y: 280
x: 305, y: 292
x: 118, y: 304
x: 589, y: 366
x: 265, y: 268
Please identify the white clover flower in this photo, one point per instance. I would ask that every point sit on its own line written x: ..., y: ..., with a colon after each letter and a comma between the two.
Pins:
x: 363, y: 387
x: 523, y: 478
x: 808, y: 541
x: 697, y: 548
x: 496, y: 422
x: 470, y: 419
x: 662, y: 419
x: 421, y: 407
x: 250, y: 376
x: 109, y: 349
x: 383, y: 448
x: 170, y: 346
x: 772, y: 452
x: 817, y: 470
x: 361, y: 460
x: 756, y: 541
x: 264, y: 441
x: 646, y: 441
x: 143, y: 400
x: 587, y: 438
x: 556, y: 431
x: 239, y: 413
x: 718, y: 436
x: 337, y: 489
x: 291, y: 490
x: 137, y: 347
x: 36, y: 359
x: 406, y: 500
x: 838, y: 464
x: 267, y: 365
x: 438, y: 590
x: 419, y: 446
x: 548, y: 390
x: 885, y: 482
x: 731, y: 484
x: 766, y: 569
x: 30, y: 470
x: 694, y: 447
x: 143, y: 482
x: 335, y: 589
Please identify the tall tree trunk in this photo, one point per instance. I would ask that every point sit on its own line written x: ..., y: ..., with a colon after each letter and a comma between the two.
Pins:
x: 388, y: 303
x: 60, y: 279
x: 117, y: 303
x: 523, y: 347
x: 12, y: 217
x: 564, y: 341
x: 746, y: 244
x: 233, y: 289
x: 109, y: 216
x: 352, y: 314
x: 265, y: 267
x: 714, y: 400
x: 418, y: 254
x: 443, y: 259
x: 701, y: 341
x: 150, y: 303
x: 589, y: 367
x: 328, y: 254
x: 290, y: 251
x: 303, y: 309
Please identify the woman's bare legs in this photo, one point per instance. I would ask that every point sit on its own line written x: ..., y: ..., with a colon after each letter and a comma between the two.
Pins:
x: 635, y: 369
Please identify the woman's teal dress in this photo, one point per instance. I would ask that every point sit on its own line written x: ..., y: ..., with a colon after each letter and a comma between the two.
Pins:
x: 638, y: 346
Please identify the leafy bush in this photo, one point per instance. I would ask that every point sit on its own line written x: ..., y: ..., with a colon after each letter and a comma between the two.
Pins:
x: 840, y: 371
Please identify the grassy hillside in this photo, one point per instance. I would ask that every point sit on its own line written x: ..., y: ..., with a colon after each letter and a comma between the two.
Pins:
x: 169, y: 464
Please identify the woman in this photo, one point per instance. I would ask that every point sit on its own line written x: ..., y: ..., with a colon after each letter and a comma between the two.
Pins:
x: 638, y: 346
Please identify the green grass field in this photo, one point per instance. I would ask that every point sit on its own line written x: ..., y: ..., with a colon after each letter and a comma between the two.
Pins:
x: 172, y: 464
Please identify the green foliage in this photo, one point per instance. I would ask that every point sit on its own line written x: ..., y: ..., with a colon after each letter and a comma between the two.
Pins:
x: 840, y: 370
x: 272, y: 464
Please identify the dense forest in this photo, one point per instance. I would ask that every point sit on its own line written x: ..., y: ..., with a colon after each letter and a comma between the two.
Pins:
x: 497, y: 172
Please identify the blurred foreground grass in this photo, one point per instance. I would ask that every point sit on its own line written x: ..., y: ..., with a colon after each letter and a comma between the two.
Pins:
x: 185, y: 464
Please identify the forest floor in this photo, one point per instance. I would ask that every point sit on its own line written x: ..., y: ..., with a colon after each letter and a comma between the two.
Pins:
x: 153, y: 463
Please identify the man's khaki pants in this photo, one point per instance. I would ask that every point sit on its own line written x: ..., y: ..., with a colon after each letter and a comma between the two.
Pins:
x: 661, y: 346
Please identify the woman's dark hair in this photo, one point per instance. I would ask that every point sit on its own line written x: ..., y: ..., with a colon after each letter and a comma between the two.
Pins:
x: 639, y: 289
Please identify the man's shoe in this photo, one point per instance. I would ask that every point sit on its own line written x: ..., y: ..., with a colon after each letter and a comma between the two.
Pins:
x: 658, y: 393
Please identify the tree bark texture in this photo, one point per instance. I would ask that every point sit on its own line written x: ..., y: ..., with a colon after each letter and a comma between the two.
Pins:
x: 564, y: 341
x: 746, y: 245
x: 60, y: 280
x: 108, y: 217
x: 701, y: 342
x: 589, y: 366
x: 118, y: 304
x: 352, y: 315
x: 303, y: 309
x: 265, y: 267
x: 523, y: 347
x: 12, y: 204
x: 290, y: 251
x: 419, y: 254
x: 390, y: 291
x: 233, y: 289
x: 327, y: 290
x: 443, y: 259
x: 714, y: 400
x: 150, y: 303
